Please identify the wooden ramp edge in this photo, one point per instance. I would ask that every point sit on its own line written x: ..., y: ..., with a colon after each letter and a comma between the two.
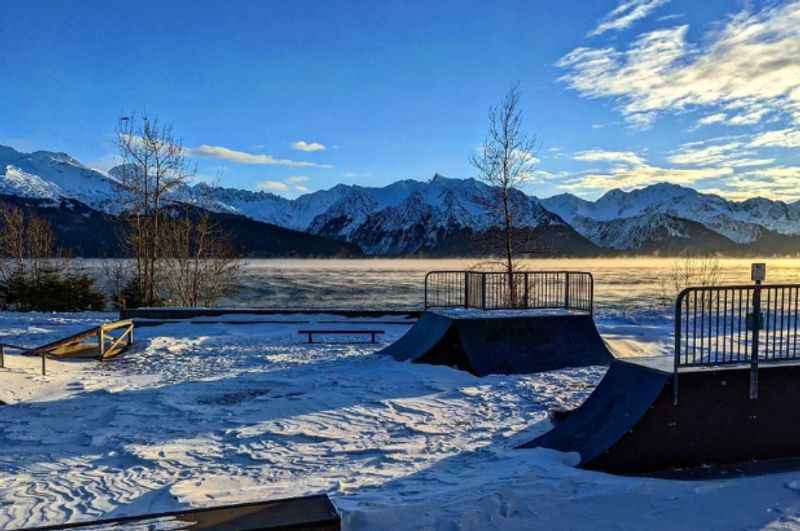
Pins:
x: 110, y: 340
x: 308, y: 513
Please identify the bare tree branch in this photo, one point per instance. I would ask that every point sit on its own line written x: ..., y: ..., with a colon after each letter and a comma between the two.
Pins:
x: 505, y: 161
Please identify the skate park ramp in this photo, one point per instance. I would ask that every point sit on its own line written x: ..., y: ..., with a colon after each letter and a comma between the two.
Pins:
x: 630, y: 424
x: 518, y: 344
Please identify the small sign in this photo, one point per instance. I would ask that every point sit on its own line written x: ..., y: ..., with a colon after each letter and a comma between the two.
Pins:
x: 758, y: 272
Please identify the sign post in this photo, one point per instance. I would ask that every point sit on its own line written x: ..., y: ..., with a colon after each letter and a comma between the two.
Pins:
x: 758, y: 273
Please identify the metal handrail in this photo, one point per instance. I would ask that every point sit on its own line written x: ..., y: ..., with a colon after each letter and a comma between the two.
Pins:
x: 489, y: 290
x: 724, y: 325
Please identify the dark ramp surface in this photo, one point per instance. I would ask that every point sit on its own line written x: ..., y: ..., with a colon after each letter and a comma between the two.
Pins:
x: 503, y: 345
x: 631, y: 425
x: 310, y: 513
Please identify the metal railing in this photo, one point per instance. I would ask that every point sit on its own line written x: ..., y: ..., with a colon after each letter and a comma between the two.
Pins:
x: 729, y: 325
x: 569, y: 290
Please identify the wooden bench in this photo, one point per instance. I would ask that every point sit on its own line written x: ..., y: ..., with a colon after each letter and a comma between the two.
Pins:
x: 311, y: 333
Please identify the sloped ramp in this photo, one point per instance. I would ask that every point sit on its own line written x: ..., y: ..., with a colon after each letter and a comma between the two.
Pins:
x: 308, y: 513
x: 630, y: 424
x: 503, y: 345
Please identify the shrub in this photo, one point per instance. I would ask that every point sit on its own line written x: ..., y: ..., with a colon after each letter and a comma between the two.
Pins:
x: 131, y: 295
x: 50, y: 290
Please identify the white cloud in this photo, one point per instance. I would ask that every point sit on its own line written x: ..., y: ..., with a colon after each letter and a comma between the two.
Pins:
x: 731, y: 154
x: 272, y: 186
x: 628, y: 177
x: 750, y: 117
x: 705, y: 156
x: 751, y: 64
x: 743, y: 163
x: 716, y: 118
x: 786, y: 138
x: 778, y: 182
x: 526, y: 157
x: 538, y: 176
x: 629, y: 170
x: 624, y: 15
x: 291, y: 186
x: 641, y: 120
x: 302, y: 145
x: 243, y: 157
x: 595, y: 155
x: 672, y: 16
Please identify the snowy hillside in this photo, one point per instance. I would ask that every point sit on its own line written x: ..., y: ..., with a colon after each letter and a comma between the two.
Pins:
x: 413, y: 216
x: 48, y: 175
x: 443, y: 215
x: 404, y: 217
x: 650, y: 233
x: 742, y: 222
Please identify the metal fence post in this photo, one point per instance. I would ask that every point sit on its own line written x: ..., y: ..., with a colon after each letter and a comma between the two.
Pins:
x: 466, y: 289
x: 678, y: 319
x: 527, y: 293
x: 755, y: 346
x: 483, y: 291
x: 426, y: 290
x: 566, y: 290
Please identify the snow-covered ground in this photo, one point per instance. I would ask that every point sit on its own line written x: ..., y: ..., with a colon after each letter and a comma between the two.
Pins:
x: 211, y: 413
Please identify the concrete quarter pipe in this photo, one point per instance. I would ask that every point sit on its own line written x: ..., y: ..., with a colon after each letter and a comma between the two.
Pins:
x: 630, y: 424
x: 522, y: 344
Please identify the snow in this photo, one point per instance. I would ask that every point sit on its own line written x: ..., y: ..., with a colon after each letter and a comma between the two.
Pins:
x: 48, y: 175
x: 22, y: 184
x: 742, y: 222
x: 208, y: 413
x: 391, y: 219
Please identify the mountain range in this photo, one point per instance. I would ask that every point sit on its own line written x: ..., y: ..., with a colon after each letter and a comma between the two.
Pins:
x: 438, y: 217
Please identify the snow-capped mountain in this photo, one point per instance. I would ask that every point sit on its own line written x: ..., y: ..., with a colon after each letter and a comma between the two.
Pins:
x: 649, y: 233
x: 52, y: 176
x: 444, y: 215
x: 404, y: 217
x: 410, y: 217
x: 742, y: 222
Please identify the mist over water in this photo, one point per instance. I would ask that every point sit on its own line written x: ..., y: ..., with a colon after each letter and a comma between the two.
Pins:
x: 621, y: 284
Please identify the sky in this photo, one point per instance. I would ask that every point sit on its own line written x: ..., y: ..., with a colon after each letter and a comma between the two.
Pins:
x: 292, y: 97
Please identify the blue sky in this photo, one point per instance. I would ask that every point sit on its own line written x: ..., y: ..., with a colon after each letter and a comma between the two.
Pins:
x: 296, y: 96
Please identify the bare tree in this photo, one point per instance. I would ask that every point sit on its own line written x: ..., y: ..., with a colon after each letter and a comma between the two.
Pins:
x: 154, y: 164
x: 687, y: 271
x: 27, y: 244
x: 41, y: 246
x: 12, y: 241
x: 505, y: 161
x: 201, y: 265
